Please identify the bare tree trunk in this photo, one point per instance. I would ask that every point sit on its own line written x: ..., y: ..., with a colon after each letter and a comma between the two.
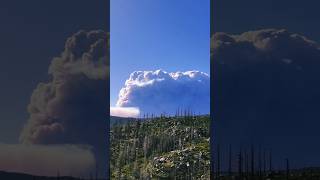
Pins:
x: 246, y: 156
x: 240, y: 164
x: 230, y: 160
x: 264, y: 162
x: 252, y: 161
x: 270, y: 161
x: 287, y: 167
x: 218, y: 162
x: 260, y: 163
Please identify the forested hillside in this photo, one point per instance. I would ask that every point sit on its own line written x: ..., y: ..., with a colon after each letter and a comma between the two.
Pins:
x: 161, y: 148
x: 119, y: 120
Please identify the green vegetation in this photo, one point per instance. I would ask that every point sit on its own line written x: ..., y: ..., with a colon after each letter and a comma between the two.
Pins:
x: 161, y: 148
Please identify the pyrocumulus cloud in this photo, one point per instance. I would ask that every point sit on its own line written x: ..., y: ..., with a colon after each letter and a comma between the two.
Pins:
x: 266, y: 90
x: 124, y: 111
x: 163, y: 92
x: 72, y: 108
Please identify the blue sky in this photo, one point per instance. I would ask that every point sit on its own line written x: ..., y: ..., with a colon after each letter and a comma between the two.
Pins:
x: 158, y: 34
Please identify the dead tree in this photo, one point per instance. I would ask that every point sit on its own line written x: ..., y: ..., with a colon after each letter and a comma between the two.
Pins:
x: 240, y: 161
x: 260, y: 163
x: 264, y: 162
x: 218, y: 161
x: 252, y: 161
x: 287, y: 169
x: 270, y: 161
x: 246, y: 163
x: 230, y: 160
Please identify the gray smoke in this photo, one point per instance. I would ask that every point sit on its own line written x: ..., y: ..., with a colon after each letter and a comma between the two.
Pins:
x: 266, y: 90
x: 47, y: 160
x: 72, y: 108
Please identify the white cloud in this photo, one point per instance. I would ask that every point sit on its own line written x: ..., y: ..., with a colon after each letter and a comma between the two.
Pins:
x: 162, y: 92
x: 124, y: 111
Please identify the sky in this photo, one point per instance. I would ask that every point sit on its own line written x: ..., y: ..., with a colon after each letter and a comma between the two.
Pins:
x: 31, y: 34
x: 158, y: 34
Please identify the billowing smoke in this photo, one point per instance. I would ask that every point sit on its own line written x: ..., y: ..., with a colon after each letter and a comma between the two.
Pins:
x: 47, y: 160
x: 72, y: 108
x: 266, y: 90
x: 124, y: 112
x: 162, y: 92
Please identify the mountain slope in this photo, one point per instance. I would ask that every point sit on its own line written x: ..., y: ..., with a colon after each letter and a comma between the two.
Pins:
x: 163, y: 147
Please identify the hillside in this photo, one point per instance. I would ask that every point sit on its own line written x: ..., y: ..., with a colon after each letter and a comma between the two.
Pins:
x: 161, y: 148
x: 20, y: 176
x: 120, y: 120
